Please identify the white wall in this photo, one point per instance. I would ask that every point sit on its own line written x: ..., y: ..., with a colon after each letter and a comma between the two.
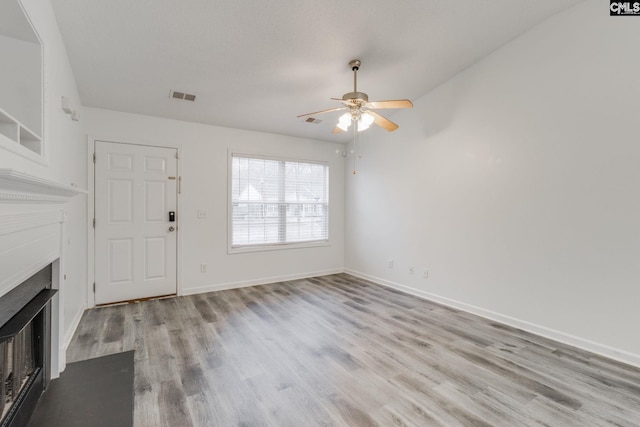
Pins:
x: 65, y: 146
x: 516, y: 184
x: 204, y: 155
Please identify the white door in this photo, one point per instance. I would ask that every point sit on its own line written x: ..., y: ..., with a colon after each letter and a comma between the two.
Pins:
x: 135, y: 253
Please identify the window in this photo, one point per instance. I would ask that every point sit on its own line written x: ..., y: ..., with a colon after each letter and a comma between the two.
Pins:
x: 278, y: 202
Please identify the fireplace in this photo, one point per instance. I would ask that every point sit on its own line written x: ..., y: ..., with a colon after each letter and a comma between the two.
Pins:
x: 33, y: 237
x: 25, y: 347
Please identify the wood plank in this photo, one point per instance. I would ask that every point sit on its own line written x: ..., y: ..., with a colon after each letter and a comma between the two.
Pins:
x: 339, y: 350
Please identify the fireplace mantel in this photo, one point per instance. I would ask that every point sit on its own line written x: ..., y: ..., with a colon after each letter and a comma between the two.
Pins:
x: 31, y: 217
x: 18, y: 186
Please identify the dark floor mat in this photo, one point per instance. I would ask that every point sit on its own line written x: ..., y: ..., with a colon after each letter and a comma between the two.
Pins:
x: 96, y: 392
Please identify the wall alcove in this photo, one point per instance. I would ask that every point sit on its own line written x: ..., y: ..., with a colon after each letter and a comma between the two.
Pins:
x: 21, y: 83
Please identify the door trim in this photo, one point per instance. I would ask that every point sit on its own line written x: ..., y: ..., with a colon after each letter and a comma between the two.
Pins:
x: 91, y: 147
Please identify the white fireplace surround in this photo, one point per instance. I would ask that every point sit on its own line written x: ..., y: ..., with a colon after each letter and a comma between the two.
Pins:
x: 32, y: 231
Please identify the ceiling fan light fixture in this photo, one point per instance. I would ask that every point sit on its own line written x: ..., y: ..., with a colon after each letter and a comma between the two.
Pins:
x: 361, y: 110
x: 365, y: 121
x: 344, y: 121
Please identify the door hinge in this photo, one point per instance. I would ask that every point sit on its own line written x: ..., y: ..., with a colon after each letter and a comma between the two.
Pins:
x: 94, y: 223
x: 179, y: 185
x: 177, y: 156
x: 94, y: 287
x: 94, y: 158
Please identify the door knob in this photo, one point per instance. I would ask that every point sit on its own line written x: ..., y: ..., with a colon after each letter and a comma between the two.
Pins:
x: 171, y: 228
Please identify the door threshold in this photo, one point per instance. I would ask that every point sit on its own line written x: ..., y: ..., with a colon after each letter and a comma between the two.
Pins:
x: 136, y: 300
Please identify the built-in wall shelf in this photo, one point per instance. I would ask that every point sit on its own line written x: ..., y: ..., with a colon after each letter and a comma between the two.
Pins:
x: 12, y: 132
x: 21, y: 85
x: 22, y: 187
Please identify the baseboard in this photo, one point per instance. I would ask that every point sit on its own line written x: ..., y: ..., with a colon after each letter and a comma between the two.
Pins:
x: 68, y: 336
x: 256, y: 282
x: 572, y: 340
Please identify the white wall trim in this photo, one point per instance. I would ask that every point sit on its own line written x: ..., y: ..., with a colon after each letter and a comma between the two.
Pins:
x: 36, y: 264
x: 20, y: 221
x: 58, y: 360
x: 256, y: 282
x: 29, y: 241
x: 91, y: 149
x: 22, y: 187
x: 71, y: 330
x: 562, y: 337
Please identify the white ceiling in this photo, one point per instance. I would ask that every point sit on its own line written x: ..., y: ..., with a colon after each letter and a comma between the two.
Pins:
x: 257, y: 64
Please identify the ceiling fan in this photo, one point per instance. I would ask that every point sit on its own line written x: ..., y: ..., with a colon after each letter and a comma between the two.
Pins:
x: 361, y: 109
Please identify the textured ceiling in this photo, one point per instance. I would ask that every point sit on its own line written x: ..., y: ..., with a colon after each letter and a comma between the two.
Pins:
x: 257, y: 64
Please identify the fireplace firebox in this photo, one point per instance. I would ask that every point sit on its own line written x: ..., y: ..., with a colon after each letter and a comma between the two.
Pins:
x: 25, y: 347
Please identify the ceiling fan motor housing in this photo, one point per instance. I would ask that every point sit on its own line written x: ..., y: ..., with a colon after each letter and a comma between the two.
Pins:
x: 355, y: 96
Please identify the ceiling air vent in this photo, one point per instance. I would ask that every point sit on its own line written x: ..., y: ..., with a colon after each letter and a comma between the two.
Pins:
x: 181, y: 95
x: 313, y: 120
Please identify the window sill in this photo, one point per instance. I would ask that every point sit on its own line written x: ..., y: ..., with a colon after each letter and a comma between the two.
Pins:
x: 266, y: 248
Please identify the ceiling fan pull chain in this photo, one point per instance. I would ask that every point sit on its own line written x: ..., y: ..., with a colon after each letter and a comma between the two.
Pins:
x: 356, y: 135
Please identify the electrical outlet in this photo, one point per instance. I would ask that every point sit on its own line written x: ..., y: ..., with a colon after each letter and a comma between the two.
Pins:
x: 411, y: 270
x: 202, y: 213
x: 425, y: 273
x: 390, y: 263
x: 203, y: 268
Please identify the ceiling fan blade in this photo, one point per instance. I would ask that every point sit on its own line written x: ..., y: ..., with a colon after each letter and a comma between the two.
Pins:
x: 397, y: 103
x: 323, y: 111
x: 383, y: 122
x: 337, y: 130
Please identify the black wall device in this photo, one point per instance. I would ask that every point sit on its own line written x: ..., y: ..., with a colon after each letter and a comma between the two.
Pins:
x: 172, y: 216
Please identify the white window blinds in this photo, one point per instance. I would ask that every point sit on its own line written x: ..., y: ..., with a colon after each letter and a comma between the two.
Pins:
x: 277, y: 201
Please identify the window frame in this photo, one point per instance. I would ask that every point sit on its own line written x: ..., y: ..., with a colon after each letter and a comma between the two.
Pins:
x: 271, y: 246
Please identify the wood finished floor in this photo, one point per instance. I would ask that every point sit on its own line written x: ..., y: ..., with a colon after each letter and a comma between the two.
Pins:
x: 340, y: 351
